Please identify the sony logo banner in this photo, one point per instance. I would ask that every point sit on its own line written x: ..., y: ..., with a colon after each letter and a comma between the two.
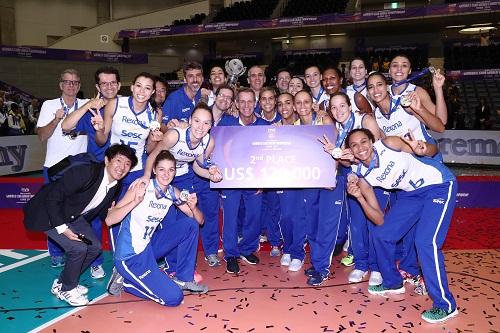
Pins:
x: 18, y: 154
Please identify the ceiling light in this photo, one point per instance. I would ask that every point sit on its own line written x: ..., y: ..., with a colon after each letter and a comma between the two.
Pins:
x: 476, y: 30
x: 338, y: 34
x: 317, y: 35
x: 455, y: 26
x: 300, y: 36
x: 276, y: 38
x: 480, y: 24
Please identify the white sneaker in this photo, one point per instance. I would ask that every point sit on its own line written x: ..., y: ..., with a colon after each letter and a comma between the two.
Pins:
x: 357, y: 275
x: 97, y: 272
x: 375, y: 279
x: 295, y: 265
x: 56, y: 288
x: 73, y: 297
x: 285, y: 259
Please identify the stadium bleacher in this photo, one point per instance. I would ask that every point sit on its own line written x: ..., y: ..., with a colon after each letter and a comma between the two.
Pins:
x: 246, y: 10
x: 314, y: 7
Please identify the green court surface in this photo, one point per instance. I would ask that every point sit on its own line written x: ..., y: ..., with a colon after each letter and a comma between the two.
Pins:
x: 25, y: 298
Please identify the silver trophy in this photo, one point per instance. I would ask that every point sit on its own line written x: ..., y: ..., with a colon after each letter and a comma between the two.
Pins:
x: 234, y: 69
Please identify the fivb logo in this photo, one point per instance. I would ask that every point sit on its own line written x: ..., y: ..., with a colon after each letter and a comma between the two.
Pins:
x: 439, y: 201
x: 13, y: 155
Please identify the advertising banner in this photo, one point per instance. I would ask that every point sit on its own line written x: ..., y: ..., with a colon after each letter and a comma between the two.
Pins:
x: 18, y: 154
x: 469, y: 147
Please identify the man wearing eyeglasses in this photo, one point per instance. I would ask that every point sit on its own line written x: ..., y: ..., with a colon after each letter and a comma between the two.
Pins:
x: 89, y: 119
x: 59, y: 144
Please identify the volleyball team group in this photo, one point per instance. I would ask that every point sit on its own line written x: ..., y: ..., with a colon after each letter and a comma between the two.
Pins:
x: 390, y: 209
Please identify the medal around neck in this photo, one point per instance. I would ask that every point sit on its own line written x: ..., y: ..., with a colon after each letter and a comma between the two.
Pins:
x: 184, y: 195
x: 336, y: 153
x: 352, y: 178
x: 234, y: 69
x: 154, y: 125
x: 405, y: 101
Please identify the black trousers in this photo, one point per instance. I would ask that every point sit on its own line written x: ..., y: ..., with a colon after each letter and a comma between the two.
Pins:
x: 78, y: 254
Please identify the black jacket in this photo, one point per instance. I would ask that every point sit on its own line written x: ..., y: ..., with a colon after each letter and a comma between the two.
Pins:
x: 63, y: 200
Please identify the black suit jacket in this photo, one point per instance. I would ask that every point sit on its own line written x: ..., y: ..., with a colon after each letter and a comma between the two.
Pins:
x: 64, y: 200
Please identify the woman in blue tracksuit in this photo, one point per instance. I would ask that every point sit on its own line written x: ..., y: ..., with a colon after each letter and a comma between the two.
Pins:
x: 394, y: 117
x: 426, y: 200
x: 322, y: 208
x: 293, y: 243
x: 360, y: 227
x: 142, y: 239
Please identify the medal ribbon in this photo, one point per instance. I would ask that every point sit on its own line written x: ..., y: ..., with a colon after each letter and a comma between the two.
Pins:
x: 412, y: 78
x: 373, y: 163
x: 344, y: 130
x: 149, y: 112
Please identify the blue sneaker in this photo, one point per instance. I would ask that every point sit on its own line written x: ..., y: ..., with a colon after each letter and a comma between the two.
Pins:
x: 437, y: 315
x: 309, y: 271
x: 317, y: 279
x: 381, y: 290
x: 57, y: 261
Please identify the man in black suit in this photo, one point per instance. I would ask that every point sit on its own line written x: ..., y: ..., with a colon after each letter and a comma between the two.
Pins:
x: 63, y: 209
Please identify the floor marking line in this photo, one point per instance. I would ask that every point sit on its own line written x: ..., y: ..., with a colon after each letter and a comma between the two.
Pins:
x: 23, y: 262
x: 67, y: 314
x: 12, y: 254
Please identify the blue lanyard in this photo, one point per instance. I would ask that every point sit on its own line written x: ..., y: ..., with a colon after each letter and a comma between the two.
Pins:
x: 149, y: 112
x: 414, y: 77
x: 392, y: 108
x: 373, y: 163
x: 344, y: 130
x: 67, y: 108
x: 321, y: 91
x: 170, y: 189
x: 362, y: 86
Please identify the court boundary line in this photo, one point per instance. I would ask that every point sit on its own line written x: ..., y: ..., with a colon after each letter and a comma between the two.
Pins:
x: 23, y: 262
x: 67, y: 314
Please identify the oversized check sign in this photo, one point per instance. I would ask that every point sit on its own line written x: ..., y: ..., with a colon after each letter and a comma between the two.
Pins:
x: 273, y: 157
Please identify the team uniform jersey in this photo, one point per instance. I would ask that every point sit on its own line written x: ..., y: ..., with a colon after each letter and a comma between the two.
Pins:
x: 139, y: 225
x: 131, y: 128
x: 392, y: 169
x: 276, y: 118
x: 184, y: 153
x: 179, y: 106
x: 59, y: 145
x: 399, y: 122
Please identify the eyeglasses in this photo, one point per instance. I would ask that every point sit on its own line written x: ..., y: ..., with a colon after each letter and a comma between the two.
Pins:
x: 226, y: 97
x: 111, y: 84
x: 70, y: 83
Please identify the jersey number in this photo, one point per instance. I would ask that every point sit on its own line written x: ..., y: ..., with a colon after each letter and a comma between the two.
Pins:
x: 148, y: 232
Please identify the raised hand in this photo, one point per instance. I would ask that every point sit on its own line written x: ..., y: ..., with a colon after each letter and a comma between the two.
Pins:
x: 353, y: 189
x: 327, y: 145
x: 96, y: 120
x: 192, y: 200
x: 419, y: 147
x: 416, y: 104
x: 140, y: 191
x: 438, y: 79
